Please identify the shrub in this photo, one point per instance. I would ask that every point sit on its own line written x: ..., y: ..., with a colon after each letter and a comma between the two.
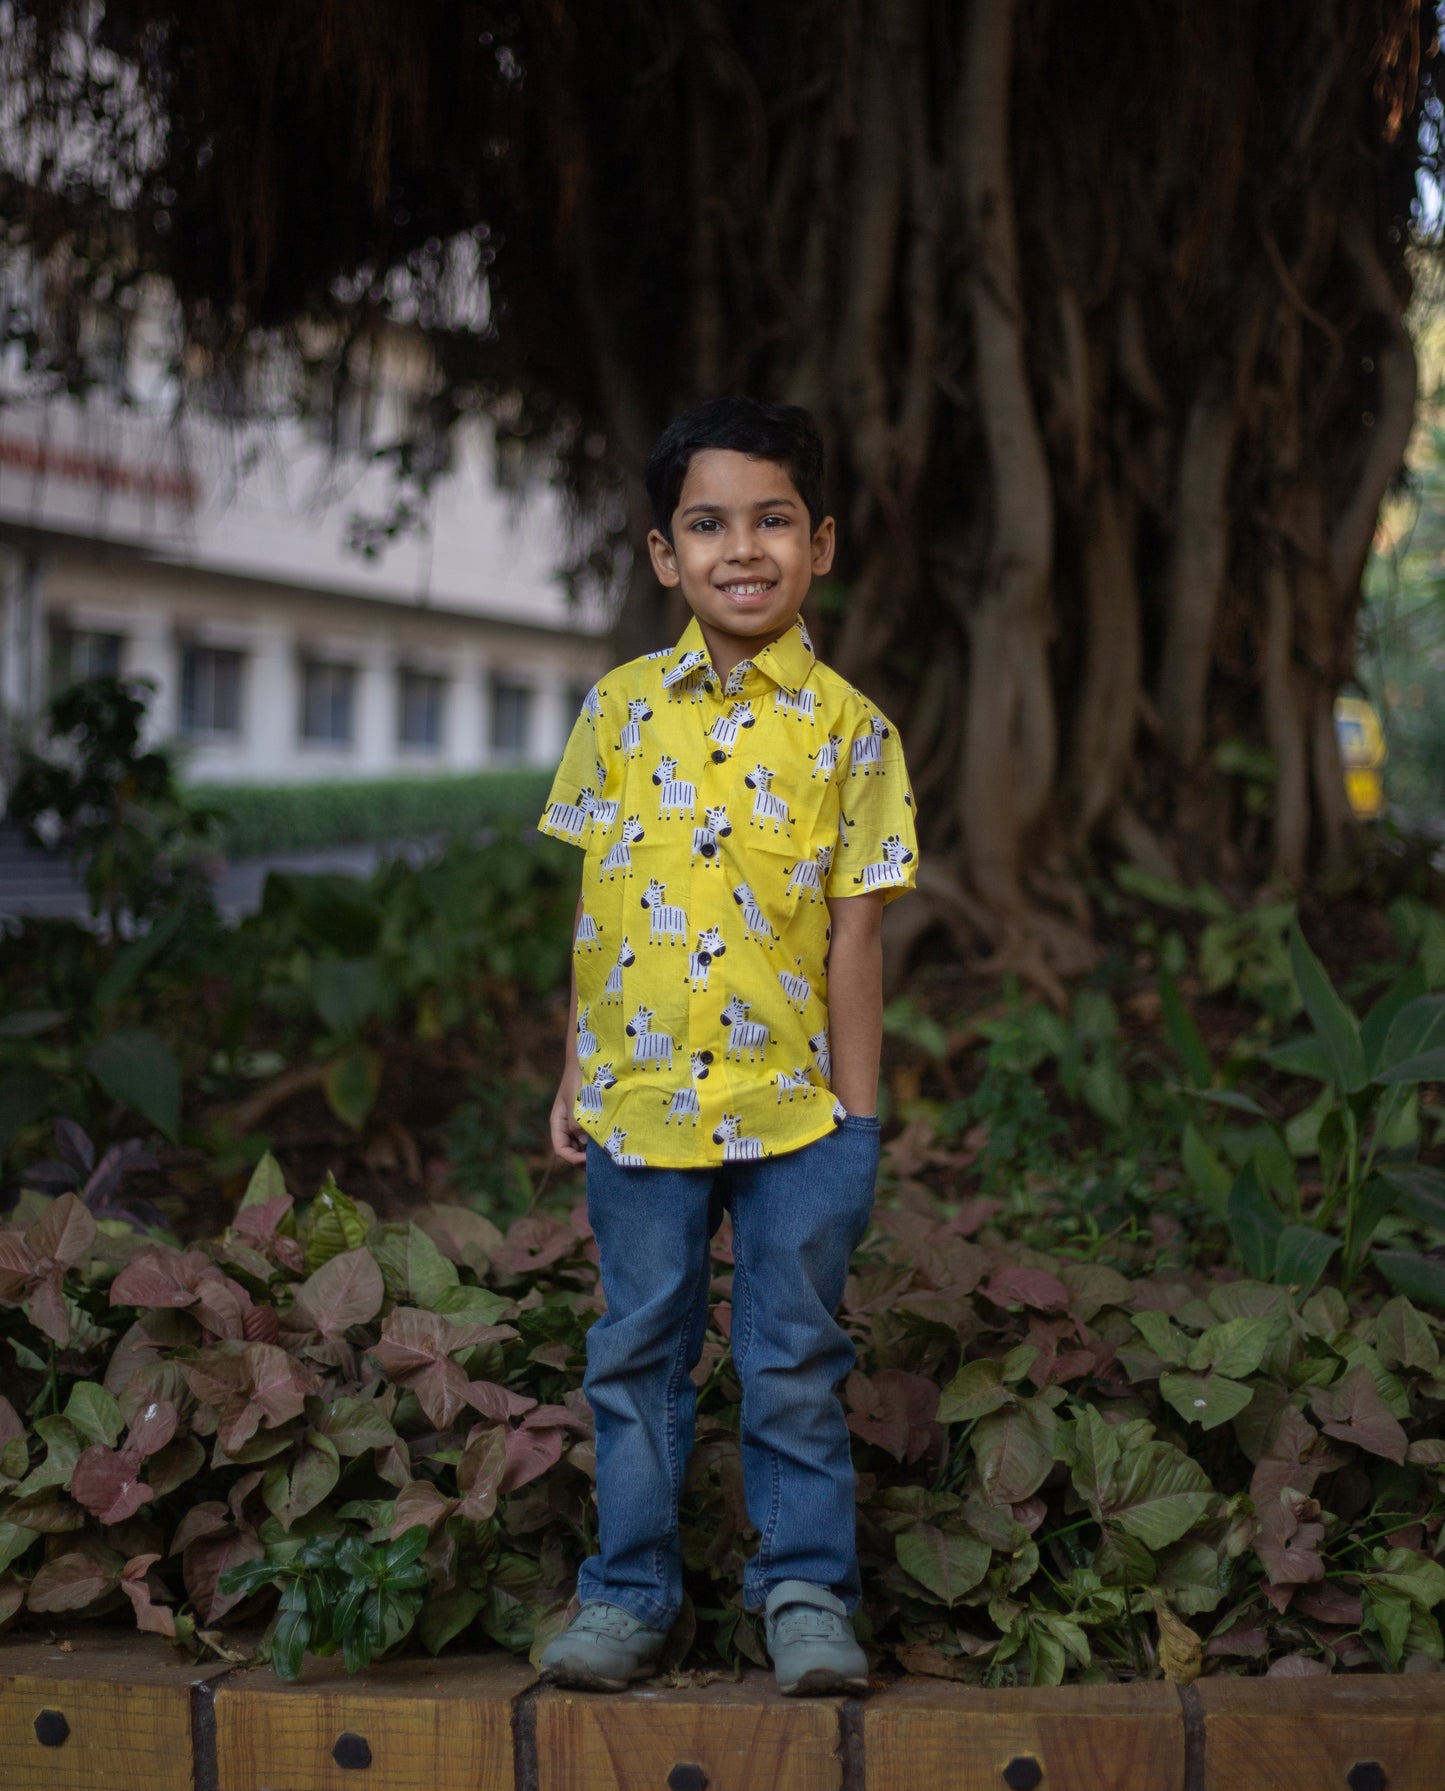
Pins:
x: 257, y: 818
x: 384, y: 1421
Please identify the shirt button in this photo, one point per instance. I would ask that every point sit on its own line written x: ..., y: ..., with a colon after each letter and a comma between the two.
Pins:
x: 719, y: 757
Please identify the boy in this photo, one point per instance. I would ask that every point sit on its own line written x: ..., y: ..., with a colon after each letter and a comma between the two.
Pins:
x: 741, y: 806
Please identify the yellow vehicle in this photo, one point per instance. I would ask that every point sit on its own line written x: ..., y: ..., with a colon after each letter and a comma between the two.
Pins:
x: 1363, y: 754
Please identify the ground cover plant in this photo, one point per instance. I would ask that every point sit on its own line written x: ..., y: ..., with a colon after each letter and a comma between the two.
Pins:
x: 1148, y: 1324
x: 1114, y: 1414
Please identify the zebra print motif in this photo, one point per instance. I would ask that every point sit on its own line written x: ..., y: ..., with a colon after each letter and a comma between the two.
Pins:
x: 784, y: 733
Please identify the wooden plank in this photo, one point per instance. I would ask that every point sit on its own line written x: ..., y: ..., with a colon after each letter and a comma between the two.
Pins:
x: 735, y: 1735
x: 444, y: 1724
x: 1071, y: 1738
x: 1313, y: 1734
x: 117, y: 1703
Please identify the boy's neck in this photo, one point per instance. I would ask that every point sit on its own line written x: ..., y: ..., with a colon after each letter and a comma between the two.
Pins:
x: 729, y: 650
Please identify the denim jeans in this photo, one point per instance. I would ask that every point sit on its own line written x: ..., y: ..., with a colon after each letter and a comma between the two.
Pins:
x: 797, y: 1219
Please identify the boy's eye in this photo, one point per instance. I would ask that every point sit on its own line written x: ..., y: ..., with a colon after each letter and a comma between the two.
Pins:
x: 775, y: 522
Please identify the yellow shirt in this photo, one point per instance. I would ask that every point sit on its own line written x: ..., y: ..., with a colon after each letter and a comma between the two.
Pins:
x: 717, y: 817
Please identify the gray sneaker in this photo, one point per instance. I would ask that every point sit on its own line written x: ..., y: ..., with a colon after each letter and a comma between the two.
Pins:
x: 601, y: 1649
x: 811, y: 1642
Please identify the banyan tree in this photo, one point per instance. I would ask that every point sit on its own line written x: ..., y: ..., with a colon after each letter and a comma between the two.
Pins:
x: 1100, y: 306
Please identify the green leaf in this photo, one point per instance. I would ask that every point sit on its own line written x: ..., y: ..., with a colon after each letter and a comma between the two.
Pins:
x: 1375, y: 1027
x: 332, y: 1225
x: 127, y: 965
x: 1421, y: 1191
x: 247, y: 1577
x: 1205, y: 1399
x: 1403, y: 1338
x: 1419, y: 1278
x: 1229, y: 1097
x: 139, y: 1069
x: 478, y: 1303
x: 1418, y: 1028
x: 1014, y: 1451
x: 1338, y: 1028
x: 974, y: 1391
x: 1254, y: 1223
x: 266, y: 1183
x: 949, y: 1563
x: 430, y: 1276
x: 1184, y: 1036
x: 356, y: 1425
x: 94, y: 1413
x: 14, y: 1540
x: 1162, y: 1335
x: 1106, y: 1092
x: 1158, y: 1494
x: 315, y: 1473
x: 1204, y: 1169
x: 1308, y: 1056
x: 62, y: 1451
x: 292, y: 1632
x: 1370, y: 1205
x: 444, y: 1616
x: 408, y: 1547
x: 1095, y: 1454
x: 1429, y: 1066
x: 1389, y: 1615
x: 353, y: 1081
x: 1301, y: 1256
x: 1235, y: 1348
x: 347, y: 992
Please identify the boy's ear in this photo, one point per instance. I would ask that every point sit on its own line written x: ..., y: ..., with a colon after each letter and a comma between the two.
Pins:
x: 664, y: 559
x: 825, y: 542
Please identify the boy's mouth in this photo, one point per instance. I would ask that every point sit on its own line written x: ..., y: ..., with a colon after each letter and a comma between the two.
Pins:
x: 754, y: 587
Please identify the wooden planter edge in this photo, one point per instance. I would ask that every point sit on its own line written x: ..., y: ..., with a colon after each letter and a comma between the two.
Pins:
x: 102, y: 1711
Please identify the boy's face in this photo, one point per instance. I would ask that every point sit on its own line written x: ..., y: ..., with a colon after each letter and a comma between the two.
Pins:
x: 742, y: 551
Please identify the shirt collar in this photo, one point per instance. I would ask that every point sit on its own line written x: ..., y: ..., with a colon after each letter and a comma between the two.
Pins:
x: 786, y: 662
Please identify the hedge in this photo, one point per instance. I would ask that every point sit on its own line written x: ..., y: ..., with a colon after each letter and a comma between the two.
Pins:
x: 260, y: 818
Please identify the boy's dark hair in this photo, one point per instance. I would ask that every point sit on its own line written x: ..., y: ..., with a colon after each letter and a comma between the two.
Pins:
x: 783, y: 433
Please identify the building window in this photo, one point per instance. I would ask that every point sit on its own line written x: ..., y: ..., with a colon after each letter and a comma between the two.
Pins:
x: 78, y: 653
x: 210, y: 690
x: 327, y: 701
x: 420, y: 710
x: 511, y: 719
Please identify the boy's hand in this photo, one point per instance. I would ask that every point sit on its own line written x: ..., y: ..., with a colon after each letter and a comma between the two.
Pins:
x: 568, y: 1139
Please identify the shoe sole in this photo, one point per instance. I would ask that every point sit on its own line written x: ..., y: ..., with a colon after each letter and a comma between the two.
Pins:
x: 583, y: 1678
x: 823, y: 1682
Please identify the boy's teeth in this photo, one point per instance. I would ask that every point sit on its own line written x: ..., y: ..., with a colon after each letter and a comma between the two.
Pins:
x: 748, y: 590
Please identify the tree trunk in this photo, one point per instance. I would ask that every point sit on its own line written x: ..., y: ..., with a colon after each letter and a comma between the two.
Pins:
x: 1101, y: 315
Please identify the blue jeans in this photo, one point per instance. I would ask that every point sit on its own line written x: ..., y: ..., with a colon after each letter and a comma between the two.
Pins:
x: 796, y: 1219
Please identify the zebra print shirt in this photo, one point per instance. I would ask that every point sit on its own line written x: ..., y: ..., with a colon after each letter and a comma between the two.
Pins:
x: 719, y: 819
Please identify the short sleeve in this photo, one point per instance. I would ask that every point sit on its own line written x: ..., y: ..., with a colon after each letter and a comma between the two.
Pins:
x: 877, y: 840
x: 578, y: 783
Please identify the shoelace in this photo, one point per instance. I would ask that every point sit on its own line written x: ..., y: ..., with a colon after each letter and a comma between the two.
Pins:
x: 806, y: 1623
x: 605, y: 1619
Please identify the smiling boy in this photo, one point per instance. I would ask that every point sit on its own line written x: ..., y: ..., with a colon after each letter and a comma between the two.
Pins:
x: 746, y: 815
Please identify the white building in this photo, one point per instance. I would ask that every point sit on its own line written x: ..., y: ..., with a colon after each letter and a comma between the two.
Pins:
x: 214, y: 559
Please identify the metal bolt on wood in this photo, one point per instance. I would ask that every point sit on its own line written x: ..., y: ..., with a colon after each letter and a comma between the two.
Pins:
x: 351, y: 1750
x: 686, y: 1777
x: 51, y: 1728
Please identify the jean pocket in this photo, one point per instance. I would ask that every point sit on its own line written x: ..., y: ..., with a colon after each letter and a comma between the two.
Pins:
x: 859, y: 1122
